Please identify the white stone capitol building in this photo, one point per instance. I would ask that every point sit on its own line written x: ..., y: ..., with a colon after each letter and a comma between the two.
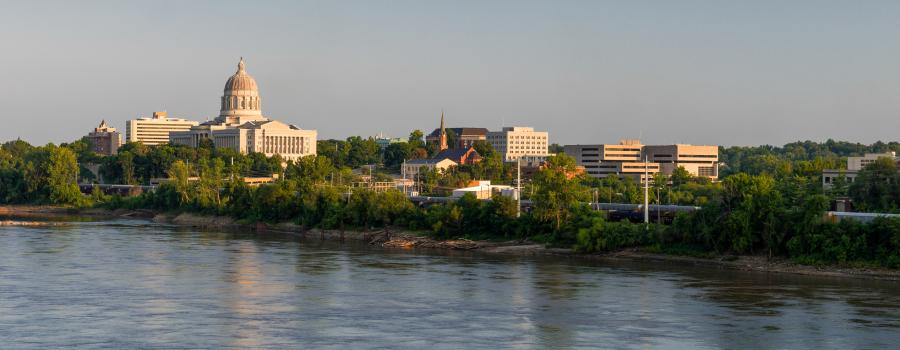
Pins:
x: 242, y: 127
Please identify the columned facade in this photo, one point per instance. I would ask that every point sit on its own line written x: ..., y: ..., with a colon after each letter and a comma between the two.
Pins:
x: 241, y: 125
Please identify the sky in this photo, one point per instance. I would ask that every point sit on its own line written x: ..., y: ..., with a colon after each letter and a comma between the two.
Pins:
x: 688, y: 71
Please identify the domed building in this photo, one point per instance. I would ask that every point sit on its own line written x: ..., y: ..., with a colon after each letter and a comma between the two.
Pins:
x: 241, y: 125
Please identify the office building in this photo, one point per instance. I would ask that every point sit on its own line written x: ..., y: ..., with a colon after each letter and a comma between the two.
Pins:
x: 155, y: 130
x: 700, y: 161
x: 622, y: 159
x: 631, y: 158
x: 854, y: 165
x: 104, y: 140
x: 518, y: 141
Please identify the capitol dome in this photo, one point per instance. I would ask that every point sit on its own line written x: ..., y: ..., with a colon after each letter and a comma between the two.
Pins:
x: 240, y: 100
x: 240, y: 80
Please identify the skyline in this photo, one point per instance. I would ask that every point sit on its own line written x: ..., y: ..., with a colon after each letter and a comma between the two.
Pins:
x: 697, y: 72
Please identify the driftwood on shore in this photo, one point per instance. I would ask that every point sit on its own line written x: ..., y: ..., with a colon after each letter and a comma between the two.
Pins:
x: 408, y: 241
x: 30, y: 223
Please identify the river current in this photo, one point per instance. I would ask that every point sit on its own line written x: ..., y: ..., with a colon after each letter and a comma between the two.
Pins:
x: 134, y: 284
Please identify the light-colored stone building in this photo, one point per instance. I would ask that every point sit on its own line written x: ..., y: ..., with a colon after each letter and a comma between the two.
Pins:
x: 701, y: 161
x: 105, y: 140
x: 854, y: 165
x: 627, y: 158
x: 623, y: 159
x: 155, y: 130
x: 241, y: 125
x: 515, y: 142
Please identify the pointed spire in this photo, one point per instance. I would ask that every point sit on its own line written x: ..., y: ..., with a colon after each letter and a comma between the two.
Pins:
x: 443, y: 144
x: 241, y: 65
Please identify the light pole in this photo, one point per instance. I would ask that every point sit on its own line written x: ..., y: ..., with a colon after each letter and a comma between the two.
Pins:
x: 519, y: 187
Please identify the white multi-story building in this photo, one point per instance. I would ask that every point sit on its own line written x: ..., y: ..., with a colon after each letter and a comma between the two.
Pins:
x: 242, y: 127
x: 155, y: 130
x: 515, y: 142
x: 854, y: 165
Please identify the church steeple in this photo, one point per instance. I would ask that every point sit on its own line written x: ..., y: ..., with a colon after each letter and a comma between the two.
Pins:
x: 443, y: 133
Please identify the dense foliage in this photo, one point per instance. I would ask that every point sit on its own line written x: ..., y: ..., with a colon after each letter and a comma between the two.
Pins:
x: 770, y: 202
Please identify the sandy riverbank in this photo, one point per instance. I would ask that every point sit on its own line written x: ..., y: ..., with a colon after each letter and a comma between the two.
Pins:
x: 398, y: 238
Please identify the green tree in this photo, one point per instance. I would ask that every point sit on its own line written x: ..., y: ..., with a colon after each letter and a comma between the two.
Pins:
x: 62, y: 176
x: 680, y: 176
x: 557, y: 193
x: 179, y: 179
x: 396, y: 153
x: 877, y: 187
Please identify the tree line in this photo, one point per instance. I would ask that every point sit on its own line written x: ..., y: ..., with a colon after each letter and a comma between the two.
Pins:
x: 776, y: 211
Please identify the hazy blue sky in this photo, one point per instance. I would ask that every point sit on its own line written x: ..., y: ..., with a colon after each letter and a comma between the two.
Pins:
x: 706, y: 72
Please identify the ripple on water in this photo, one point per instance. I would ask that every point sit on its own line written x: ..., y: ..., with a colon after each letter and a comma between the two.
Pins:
x: 125, y: 284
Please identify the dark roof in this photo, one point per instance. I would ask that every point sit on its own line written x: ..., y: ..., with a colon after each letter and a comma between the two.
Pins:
x: 461, y: 131
x: 424, y: 161
x: 453, y: 153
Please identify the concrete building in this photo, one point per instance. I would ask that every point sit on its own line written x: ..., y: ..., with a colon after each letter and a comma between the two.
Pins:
x: 242, y: 127
x: 858, y: 163
x: 700, y: 161
x: 518, y: 141
x: 621, y: 159
x: 627, y: 159
x: 854, y: 165
x: 155, y: 130
x: 104, y: 140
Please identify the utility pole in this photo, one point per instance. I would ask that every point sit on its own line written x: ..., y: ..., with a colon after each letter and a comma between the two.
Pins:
x: 519, y: 187
x: 646, y: 195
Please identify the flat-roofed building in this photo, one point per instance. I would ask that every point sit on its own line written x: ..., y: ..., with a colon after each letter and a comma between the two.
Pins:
x: 105, y: 140
x: 698, y: 160
x: 854, y: 165
x: 858, y: 163
x: 155, y: 130
x: 622, y: 159
x: 515, y: 142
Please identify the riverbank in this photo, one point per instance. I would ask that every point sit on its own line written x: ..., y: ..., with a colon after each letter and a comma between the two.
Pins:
x: 405, y: 239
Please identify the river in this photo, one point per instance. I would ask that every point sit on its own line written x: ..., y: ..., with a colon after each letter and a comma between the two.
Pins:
x: 134, y: 284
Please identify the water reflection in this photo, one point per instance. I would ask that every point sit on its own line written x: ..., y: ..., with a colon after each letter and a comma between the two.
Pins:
x: 130, y: 284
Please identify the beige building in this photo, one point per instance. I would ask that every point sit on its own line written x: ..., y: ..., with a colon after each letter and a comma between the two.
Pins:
x: 621, y: 159
x: 627, y: 158
x: 854, y: 165
x: 518, y: 141
x: 155, y: 130
x: 701, y: 161
x: 411, y: 168
x: 241, y: 125
x: 105, y: 140
x: 858, y: 163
